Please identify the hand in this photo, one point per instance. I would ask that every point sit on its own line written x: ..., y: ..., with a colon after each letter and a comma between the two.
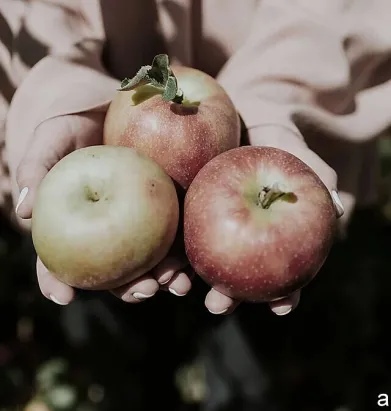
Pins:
x: 57, y: 137
x: 287, y: 140
x: 52, y: 140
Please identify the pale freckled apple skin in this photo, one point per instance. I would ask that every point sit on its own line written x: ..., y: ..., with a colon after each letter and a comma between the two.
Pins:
x: 247, y: 252
x: 106, y: 243
x: 179, y: 137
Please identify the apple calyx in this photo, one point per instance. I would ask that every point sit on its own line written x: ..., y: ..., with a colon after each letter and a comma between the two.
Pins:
x: 268, y: 195
x: 91, y: 195
x: 158, y: 75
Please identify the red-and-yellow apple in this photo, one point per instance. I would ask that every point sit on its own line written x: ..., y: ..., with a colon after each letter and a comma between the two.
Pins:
x: 179, y: 117
x: 258, y: 223
x: 103, y: 216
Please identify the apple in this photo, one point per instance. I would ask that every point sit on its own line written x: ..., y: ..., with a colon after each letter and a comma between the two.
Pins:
x: 104, y: 216
x: 258, y: 223
x: 180, y: 117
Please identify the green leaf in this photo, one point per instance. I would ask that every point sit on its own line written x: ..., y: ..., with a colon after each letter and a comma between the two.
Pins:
x: 140, y: 79
x: 155, y: 83
x: 159, y: 72
x: 158, y: 75
x: 171, y: 89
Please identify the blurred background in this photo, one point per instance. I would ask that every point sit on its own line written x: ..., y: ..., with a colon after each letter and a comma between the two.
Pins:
x: 99, y: 354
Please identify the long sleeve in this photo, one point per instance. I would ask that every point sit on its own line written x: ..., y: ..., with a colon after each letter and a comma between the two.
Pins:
x: 310, y: 58
x: 322, y: 70
x: 68, y: 76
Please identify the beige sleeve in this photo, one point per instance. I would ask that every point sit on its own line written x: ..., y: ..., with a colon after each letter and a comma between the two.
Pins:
x: 69, y: 78
x: 320, y: 69
x: 307, y: 63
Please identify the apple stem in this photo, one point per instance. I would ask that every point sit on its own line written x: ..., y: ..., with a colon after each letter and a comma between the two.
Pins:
x: 159, y: 75
x: 269, y: 195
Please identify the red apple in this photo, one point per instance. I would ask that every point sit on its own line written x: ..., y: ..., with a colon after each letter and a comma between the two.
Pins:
x: 179, y: 117
x: 258, y: 223
x: 103, y: 216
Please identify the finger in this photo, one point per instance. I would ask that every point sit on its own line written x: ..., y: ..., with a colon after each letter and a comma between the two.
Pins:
x: 328, y: 176
x: 285, y: 305
x: 218, y: 303
x: 139, y: 290
x: 52, y: 288
x: 45, y: 150
x: 166, y: 269
x: 180, y: 284
x: 337, y: 203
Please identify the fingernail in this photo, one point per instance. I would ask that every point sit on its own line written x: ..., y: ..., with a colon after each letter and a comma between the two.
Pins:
x: 54, y: 299
x: 21, y: 198
x: 172, y: 291
x: 218, y: 312
x: 338, y: 203
x: 282, y: 309
x: 164, y: 279
x: 141, y: 296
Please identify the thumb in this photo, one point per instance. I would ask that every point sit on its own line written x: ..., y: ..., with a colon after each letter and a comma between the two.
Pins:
x: 51, y: 141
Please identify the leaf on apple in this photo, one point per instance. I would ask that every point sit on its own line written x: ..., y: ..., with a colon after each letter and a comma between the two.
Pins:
x: 159, y: 75
x: 159, y: 71
x: 140, y: 79
x: 170, y: 89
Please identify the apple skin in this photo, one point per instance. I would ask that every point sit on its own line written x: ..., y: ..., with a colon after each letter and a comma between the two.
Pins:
x: 104, y: 216
x: 248, y: 252
x: 182, y: 138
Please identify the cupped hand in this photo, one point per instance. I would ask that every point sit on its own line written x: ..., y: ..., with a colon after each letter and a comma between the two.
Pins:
x: 57, y: 137
x: 52, y: 140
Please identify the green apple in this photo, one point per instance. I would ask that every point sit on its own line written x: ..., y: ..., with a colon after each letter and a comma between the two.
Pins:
x: 104, y: 216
